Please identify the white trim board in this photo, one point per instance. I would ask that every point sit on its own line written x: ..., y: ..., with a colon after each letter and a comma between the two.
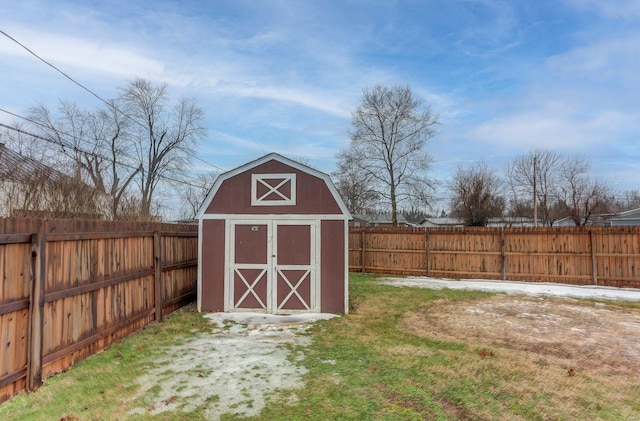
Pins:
x: 279, y: 217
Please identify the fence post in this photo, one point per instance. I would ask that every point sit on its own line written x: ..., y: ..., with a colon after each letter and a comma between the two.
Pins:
x: 157, y: 260
x: 362, y: 238
x: 427, y: 242
x: 503, y: 255
x: 36, y: 310
x: 594, y: 260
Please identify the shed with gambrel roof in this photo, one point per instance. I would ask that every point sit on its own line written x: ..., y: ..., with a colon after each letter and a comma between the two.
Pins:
x: 273, y: 238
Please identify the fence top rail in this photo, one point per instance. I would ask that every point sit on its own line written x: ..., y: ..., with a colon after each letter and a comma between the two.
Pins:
x: 52, y: 225
x: 76, y: 236
x: 179, y: 233
x: 14, y: 238
x: 496, y: 230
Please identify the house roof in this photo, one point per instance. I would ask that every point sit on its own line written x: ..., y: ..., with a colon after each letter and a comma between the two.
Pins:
x: 631, y: 213
x: 19, y: 168
x: 279, y: 158
x: 444, y: 222
x: 628, y: 217
x: 507, y: 221
x: 567, y: 221
x: 381, y: 218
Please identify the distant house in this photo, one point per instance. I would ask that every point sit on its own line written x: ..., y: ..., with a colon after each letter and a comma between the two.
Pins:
x: 442, y: 222
x: 506, y: 221
x: 567, y: 221
x: 358, y: 221
x: 30, y: 188
x: 614, y: 219
x: 510, y: 221
x: 17, y: 168
x: 626, y: 218
x: 378, y: 220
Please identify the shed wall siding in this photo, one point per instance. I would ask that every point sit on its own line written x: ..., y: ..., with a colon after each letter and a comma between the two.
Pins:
x: 332, y: 284
x: 213, y: 265
x: 313, y: 196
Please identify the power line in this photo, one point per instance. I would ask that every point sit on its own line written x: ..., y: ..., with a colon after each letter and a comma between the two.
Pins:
x: 76, y: 138
x: 107, y: 103
x: 57, y: 69
x: 75, y: 148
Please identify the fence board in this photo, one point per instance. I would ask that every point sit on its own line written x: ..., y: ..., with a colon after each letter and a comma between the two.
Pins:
x: 92, y: 283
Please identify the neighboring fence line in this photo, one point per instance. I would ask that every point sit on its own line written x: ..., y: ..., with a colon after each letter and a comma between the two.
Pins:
x: 70, y: 288
x: 608, y: 256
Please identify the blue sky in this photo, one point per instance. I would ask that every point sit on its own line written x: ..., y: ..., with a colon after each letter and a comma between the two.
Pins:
x: 505, y: 76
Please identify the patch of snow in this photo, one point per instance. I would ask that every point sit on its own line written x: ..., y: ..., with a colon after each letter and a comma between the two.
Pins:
x: 513, y: 287
x: 236, y: 369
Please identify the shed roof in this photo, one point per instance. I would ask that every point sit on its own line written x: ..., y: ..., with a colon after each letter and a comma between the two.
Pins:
x: 283, y: 160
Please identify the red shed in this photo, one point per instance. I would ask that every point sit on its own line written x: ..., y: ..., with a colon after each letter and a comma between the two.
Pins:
x: 273, y: 238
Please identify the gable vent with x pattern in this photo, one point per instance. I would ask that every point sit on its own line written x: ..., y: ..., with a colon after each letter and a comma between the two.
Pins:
x: 273, y: 190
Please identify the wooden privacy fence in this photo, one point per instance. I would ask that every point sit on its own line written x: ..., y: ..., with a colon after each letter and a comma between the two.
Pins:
x: 70, y: 288
x: 608, y: 256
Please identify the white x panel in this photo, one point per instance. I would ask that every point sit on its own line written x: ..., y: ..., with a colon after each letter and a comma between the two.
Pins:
x: 273, y: 189
x: 250, y: 289
x: 294, y: 289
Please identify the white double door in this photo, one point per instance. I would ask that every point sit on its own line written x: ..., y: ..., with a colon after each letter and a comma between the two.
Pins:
x: 273, y: 266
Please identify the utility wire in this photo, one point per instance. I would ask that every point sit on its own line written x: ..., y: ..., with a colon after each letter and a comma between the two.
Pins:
x: 57, y: 69
x: 107, y: 103
x: 75, y: 148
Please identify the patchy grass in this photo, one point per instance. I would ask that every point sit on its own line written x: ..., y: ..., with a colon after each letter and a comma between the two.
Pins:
x: 102, y: 387
x: 390, y: 359
x: 401, y: 354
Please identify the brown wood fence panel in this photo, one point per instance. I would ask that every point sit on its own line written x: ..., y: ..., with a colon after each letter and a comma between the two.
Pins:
x: 15, y: 268
x: 607, y: 256
x: 179, y: 269
x: 70, y: 288
x: 468, y: 253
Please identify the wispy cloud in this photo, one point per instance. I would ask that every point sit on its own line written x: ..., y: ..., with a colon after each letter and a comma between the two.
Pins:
x: 284, y: 75
x: 317, y: 101
x: 620, y: 9
x: 488, y: 27
x: 82, y: 54
x: 614, y: 58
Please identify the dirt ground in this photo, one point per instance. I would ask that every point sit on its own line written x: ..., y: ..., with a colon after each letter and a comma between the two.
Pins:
x: 581, y: 336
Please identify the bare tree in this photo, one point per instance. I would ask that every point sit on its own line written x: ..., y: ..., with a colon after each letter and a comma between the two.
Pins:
x: 580, y: 195
x: 390, y: 129
x: 65, y: 132
x: 476, y: 194
x: 414, y: 215
x: 97, y: 143
x: 535, y: 177
x: 356, y: 187
x: 163, y: 137
x: 28, y: 187
x: 628, y: 199
x: 194, y: 193
x: 112, y: 171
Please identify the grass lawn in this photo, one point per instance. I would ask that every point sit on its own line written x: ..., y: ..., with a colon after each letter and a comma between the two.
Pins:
x: 373, y: 364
